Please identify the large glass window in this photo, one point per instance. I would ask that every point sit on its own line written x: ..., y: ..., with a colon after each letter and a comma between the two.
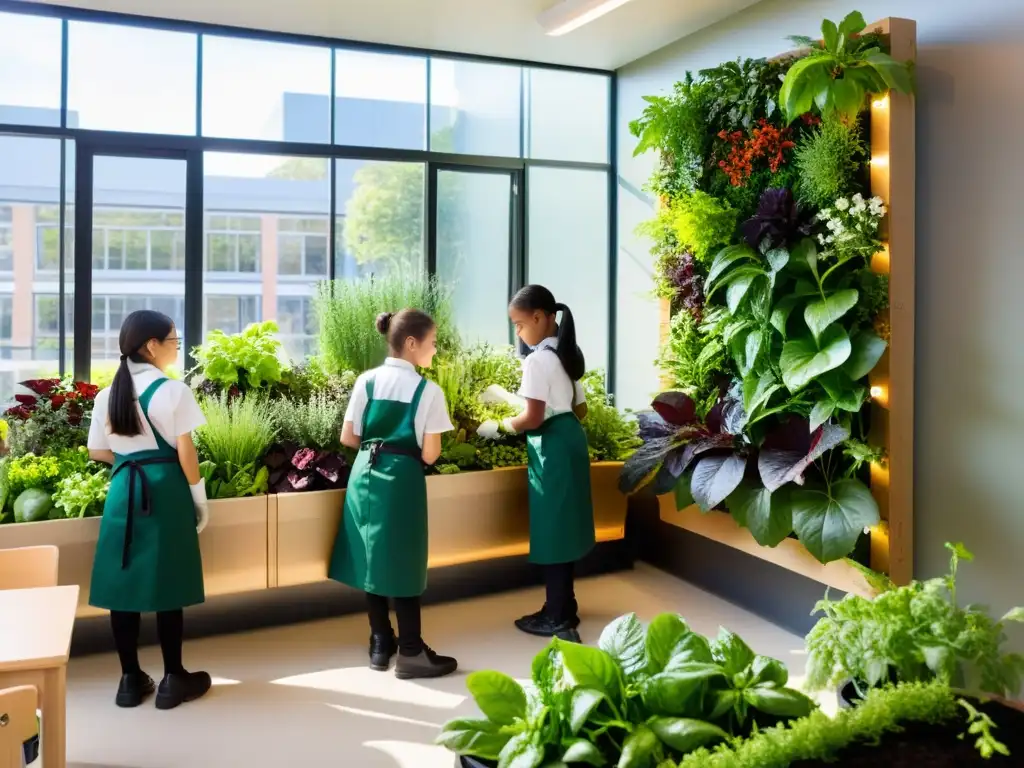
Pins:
x: 46, y: 326
x: 253, y: 89
x: 109, y: 312
x: 6, y: 238
x: 568, y: 116
x: 231, y: 314
x: 568, y: 249
x: 30, y: 65
x: 474, y: 250
x: 137, y: 240
x: 380, y: 217
x: 474, y: 108
x: 381, y: 100
x: 302, y: 247
x: 131, y: 79
x: 233, y: 243
x: 296, y: 319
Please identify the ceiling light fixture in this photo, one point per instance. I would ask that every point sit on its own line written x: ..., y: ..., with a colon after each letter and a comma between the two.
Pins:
x: 570, y: 15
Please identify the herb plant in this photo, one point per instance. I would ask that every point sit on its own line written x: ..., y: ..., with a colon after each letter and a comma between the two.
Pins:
x: 642, y: 699
x: 237, y: 435
x: 917, y: 632
x: 250, y: 360
x: 830, y: 161
x: 837, y: 73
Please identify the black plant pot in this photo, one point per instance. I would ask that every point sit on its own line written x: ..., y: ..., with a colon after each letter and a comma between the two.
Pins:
x: 463, y: 761
x: 31, y: 749
x: 847, y: 693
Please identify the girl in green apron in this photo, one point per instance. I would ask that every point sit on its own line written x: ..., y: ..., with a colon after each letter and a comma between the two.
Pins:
x: 147, y: 556
x: 558, y: 461
x: 395, y: 418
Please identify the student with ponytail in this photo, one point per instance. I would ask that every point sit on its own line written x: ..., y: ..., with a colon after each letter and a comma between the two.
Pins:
x: 147, y: 556
x: 561, y: 511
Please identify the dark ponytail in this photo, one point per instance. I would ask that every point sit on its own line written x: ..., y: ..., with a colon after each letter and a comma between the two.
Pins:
x: 136, y: 331
x: 533, y: 298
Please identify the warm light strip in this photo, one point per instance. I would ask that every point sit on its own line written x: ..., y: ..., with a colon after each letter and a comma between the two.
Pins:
x: 570, y: 15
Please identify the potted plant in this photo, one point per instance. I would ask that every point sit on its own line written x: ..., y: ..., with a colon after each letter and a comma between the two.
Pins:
x: 913, y: 633
x: 642, y: 698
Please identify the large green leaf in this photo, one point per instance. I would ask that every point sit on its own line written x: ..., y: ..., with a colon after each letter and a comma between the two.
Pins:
x: 758, y: 390
x: 731, y: 652
x: 638, y: 748
x: 685, y: 735
x: 781, y: 312
x: 715, y: 477
x: 830, y: 520
x: 691, y: 649
x: 679, y: 692
x: 725, y: 259
x: 766, y: 514
x: 820, y: 413
x: 853, y: 24
x: 822, y: 313
x: 803, y: 360
x: 777, y: 258
x: 830, y: 34
x: 499, y: 696
x: 479, y: 738
x: 521, y: 752
x: 797, y: 94
x: 663, y: 634
x: 766, y: 670
x: 684, y: 497
x: 623, y: 640
x: 739, y: 285
x: 591, y: 668
x: 752, y: 351
x: 866, y: 350
x: 895, y: 74
x: 779, y: 702
x: 847, y: 95
x: 584, y: 702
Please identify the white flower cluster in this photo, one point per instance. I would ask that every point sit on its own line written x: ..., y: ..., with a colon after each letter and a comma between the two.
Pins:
x: 852, y: 224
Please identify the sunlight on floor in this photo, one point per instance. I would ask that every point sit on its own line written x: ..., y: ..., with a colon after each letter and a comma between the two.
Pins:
x: 409, y: 755
x: 360, y: 680
x: 384, y: 716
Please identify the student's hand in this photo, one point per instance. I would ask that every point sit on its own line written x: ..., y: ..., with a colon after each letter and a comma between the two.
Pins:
x: 202, y: 506
x: 489, y: 430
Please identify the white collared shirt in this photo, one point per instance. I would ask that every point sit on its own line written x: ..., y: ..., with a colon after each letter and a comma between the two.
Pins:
x: 545, y: 379
x: 398, y: 380
x: 173, y: 411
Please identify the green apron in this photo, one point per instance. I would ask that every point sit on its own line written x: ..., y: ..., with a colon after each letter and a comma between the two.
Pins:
x: 381, y: 545
x: 147, y: 556
x: 561, y: 511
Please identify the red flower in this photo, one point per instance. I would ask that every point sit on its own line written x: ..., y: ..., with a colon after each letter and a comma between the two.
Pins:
x: 19, y: 412
x: 86, y: 390
x: 41, y: 387
x: 57, y: 401
x: 29, y: 401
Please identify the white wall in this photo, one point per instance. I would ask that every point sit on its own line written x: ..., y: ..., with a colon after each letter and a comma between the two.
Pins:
x: 970, y: 261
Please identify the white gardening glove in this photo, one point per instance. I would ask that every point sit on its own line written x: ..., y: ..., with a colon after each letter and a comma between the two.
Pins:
x: 496, y: 394
x: 489, y: 430
x: 201, y: 504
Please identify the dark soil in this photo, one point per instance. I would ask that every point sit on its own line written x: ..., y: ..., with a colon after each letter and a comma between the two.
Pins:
x: 929, y: 746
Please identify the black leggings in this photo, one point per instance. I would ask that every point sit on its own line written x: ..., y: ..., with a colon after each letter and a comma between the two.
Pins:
x: 561, y: 592
x: 170, y: 626
x: 407, y: 609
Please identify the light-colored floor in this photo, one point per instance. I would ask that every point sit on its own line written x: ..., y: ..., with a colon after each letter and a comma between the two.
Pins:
x: 303, y: 696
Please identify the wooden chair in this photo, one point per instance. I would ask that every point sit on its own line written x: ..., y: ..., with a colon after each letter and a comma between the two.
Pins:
x: 17, y: 724
x: 28, y: 567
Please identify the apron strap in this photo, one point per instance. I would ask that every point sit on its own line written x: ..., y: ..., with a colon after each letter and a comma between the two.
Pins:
x: 415, y: 404
x: 369, y: 399
x: 144, y: 400
x: 135, y: 471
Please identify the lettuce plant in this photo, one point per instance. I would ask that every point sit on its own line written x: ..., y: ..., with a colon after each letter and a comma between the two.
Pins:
x: 247, y: 360
x: 641, y: 699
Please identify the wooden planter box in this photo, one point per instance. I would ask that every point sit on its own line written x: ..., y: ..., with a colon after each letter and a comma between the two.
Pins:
x: 234, y: 547
x: 474, y: 516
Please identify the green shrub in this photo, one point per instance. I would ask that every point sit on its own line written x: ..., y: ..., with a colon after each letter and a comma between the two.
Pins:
x: 247, y: 360
x: 829, y: 161
x: 611, y: 435
x: 237, y: 434
x: 312, y: 423
x: 702, y: 223
x: 347, y: 312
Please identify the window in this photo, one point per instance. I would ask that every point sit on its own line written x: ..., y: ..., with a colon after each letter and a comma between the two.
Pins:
x: 131, y: 79
x: 302, y: 247
x: 123, y: 239
x: 232, y: 243
x: 6, y: 238
x: 568, y: 115
x: 109, y: 312
x: 253, y: 89
x: 30, y: 70
x: 474, y: 108
x: 230, y: 314
x: 381, y: 100
x: 47, y: 325
x: 380, y: 217
x: 568, y: 249
x: 48, y: 238
x: 296, y: 319
x: 6, y: 326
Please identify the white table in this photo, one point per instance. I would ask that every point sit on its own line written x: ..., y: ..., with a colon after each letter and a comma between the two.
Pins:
x: 35, y: 641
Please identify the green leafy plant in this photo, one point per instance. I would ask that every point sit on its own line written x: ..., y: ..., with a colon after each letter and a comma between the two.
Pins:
x: 819, y: 737
x: 82, y: 494
x: 745, y: 92
x: 830, y: 163
x: 838, y: 73
x: 611, y: 436
x: 347, y: 311
x: 702, y: 223
x: 249, y: 360
x: 237, y: 434
x: 693, y: 360
x: 979, y: 724
x: 311, y: 423
x: 642, y: 698
x: 916, y: 632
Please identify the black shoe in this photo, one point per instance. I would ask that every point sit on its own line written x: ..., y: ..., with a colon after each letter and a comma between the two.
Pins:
x: 574, y: 619
x: 382, y: 648
x: 180, y: 687
x: 134, y: 689
x: 426, y: 664
x: 542, y: 625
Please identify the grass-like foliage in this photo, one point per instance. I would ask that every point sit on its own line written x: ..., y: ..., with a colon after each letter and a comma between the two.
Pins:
x: 238, y: 430
x: 347, y: 311
x: 312, y: 423
x: 820, y: 737
x: 830, y: 161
